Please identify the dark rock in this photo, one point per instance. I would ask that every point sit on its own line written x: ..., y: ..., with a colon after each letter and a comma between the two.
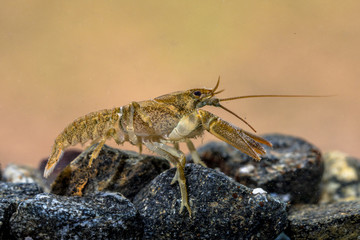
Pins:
x: 341, y: 180
x: 114, y: 170
x: 6, y: 210
x: 16, y: 192
x: 98, y: 216
x: 67, y: 157
x: 292, y: 168
x: 11, y: 194
x: 221, y: 208
x: 325, y: 221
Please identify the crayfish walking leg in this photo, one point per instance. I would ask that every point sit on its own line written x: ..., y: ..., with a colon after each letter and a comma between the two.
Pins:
x: 194, y: 154
x: 177, y: 158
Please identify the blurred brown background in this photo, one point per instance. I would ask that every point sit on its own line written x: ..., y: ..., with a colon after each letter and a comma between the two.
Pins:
x: 62, y: 59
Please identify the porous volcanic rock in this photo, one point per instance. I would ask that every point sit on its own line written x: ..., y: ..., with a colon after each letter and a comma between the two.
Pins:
x: 98, y: 216
x: 11, y: 195
x: 113, y: 170
x: 292, y: 168
x: 221, y: 208
x: 339, y: 220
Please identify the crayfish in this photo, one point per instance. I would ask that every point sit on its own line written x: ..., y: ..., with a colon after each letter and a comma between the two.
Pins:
x: 161, y: 124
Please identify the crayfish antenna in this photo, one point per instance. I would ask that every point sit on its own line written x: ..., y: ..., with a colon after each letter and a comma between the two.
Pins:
x: 272, y: 95
x: 228, y: 110
x: 256, y: 96
x: 216, y: 86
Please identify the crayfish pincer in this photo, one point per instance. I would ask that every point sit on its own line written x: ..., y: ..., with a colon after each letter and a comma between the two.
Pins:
x: 160, y: 124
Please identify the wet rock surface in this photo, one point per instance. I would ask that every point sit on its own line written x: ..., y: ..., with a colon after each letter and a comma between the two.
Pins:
x: 114, y: 170
x: 341, y: 180
x: 16, y: 192
x: 221, y: 208
x: 292, y: 168
x: 98, y: 216
x: 11, y: 195
x: 325, y: 221
x: 6, y: 210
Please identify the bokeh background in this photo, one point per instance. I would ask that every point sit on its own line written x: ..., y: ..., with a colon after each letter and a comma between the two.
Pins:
x: 62, y: 59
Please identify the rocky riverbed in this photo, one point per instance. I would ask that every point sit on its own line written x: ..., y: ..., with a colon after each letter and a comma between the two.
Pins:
x: 294, y: 192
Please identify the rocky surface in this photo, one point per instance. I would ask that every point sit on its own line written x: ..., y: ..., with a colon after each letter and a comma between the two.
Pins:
x: 6, y: 210
x: 24, y: 174
x: 98, y: 216
x: 114, y: 170
x: 17, y: 192
x: 325, y: 221
x: 11, y: 195
x: 221, y: 208
x: 341, y: 180
x: 291, y: 169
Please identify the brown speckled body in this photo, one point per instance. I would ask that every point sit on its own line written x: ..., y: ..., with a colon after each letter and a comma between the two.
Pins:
x: 89, y: 127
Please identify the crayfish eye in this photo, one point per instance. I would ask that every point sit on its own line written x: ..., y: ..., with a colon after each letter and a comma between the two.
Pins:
x: 197, y: 93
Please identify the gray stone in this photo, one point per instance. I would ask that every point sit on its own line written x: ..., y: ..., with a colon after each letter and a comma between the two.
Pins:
x: 325, y: 221
x: 16, y: 192
x: 24, y: 174
x: 113, y: 171
x: 291, y: 169
x: 6, y: 210
x: 341, y: 180
x: 11, y: 194
x: 221, y: 208
x: 98, y: 216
